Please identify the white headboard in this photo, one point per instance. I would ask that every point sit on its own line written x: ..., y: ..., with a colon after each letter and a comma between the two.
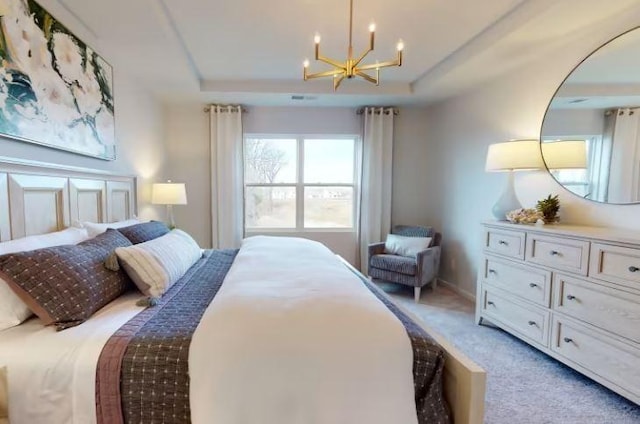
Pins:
x: 38, y: 197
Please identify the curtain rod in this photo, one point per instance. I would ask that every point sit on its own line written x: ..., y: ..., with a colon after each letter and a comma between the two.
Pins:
x: 208, y: 107
x: 395, y: 110
x: 620, y: 110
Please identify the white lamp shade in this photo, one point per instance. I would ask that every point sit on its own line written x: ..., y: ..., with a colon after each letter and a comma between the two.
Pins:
x: 514, y: 155
x: 565, y: 154
x: 168, y: 194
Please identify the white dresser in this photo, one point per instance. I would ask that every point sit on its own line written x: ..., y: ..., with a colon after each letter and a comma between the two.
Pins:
x: 571, y: 291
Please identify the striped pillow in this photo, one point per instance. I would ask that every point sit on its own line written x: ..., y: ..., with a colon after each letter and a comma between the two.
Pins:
x: 155, y: 265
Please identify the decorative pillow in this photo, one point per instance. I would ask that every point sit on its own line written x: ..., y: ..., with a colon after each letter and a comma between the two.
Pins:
x: 4, y: 397
x: 65, y: 285
x: 154, y: 266
x: 13, y: 311
x: 146, y: 231
x: 95, y: 228
x: 405, y: 246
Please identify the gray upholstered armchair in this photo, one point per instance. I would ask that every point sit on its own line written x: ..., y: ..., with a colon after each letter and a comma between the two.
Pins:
x: 410, y: 271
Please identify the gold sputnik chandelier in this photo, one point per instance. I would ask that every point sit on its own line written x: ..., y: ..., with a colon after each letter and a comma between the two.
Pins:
x: 351, y: 67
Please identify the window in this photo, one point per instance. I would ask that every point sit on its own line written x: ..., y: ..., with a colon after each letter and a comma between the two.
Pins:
x: 299, y: 183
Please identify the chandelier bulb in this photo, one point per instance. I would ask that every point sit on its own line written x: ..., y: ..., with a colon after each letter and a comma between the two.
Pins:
x: 305, y: 63
x: 372, y: 27
x: 400, y: 45
x: 316, y: 39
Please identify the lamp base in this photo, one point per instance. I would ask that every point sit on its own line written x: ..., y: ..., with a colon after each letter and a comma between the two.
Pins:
x: 170, y: 218
x: 508, y: 200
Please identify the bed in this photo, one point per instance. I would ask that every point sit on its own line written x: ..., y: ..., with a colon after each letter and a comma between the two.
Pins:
x: 78, y: 380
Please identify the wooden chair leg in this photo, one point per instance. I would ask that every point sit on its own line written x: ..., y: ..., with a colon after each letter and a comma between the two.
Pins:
x: 416, y: 294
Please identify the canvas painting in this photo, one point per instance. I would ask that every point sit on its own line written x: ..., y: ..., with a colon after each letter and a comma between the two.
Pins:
x: 54, y: 89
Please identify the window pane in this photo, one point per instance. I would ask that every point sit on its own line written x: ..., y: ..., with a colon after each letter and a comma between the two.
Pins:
x: 328, y: 161
x: 270, y: 160
x: 328, y: 207
x: 270, y: 207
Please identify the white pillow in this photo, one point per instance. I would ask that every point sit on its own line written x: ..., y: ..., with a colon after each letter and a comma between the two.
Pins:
x: 405, y: 246
x: 155, y: 265
x: 13, y: 310
x: 95, y: 228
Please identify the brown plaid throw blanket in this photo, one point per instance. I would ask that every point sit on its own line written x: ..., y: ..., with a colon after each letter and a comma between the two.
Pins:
x: 143, y: 373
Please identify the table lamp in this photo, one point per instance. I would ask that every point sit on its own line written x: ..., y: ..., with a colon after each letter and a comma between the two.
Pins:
x: 510, y: 156
x: 169, y: 194
x: 565, y: 154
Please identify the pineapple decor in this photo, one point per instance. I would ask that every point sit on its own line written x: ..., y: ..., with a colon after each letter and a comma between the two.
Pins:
x: 549, y: 208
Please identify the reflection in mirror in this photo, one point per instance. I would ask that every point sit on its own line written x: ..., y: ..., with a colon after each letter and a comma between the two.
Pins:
x: 598, y: 104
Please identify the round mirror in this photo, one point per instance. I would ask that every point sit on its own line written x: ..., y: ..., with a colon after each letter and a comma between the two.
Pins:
x: 590, y: 136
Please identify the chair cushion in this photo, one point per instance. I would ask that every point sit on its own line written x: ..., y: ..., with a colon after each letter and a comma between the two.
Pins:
x: 401, y: 264
x: 405, y: 246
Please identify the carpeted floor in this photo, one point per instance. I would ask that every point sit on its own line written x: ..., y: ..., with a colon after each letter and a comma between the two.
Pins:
x: 523, y: 384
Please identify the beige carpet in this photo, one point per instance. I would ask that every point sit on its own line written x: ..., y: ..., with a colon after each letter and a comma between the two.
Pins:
x: 523, y: 385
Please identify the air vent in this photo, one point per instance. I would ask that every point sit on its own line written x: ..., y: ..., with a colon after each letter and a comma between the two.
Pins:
x: 300, y: 97
x: 578, y: 101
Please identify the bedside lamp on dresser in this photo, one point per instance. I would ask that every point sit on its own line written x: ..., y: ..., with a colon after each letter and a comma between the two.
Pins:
x: 572, y: 292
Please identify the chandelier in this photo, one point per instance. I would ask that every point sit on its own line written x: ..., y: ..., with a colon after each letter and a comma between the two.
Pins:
x: 351, y: 67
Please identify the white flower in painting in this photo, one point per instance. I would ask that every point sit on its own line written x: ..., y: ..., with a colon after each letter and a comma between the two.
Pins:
x: 88, y: 94
x: 68, y: 57
x: 26, y: 43
x: 105, y: 126
x: 54, y: 97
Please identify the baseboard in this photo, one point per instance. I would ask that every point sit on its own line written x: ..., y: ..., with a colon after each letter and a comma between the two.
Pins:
x: 467, y: 295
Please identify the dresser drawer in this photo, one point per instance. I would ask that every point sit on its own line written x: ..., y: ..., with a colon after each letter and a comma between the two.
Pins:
x: 610, y: 309
x: 616, y: 264
x: 529, y: 321
x: 505, y: 242
x: 560, y: 253
x: 525, y: 281
x: 602, y: 355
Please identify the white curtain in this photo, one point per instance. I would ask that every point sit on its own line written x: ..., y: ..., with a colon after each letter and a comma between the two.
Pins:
x: 624, y: 179
x: 376, y: 178
x: 227, y: 214
x: 599, y: 161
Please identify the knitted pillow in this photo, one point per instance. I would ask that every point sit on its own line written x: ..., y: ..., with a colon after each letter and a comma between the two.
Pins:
x: 65, y: 285
x: 146, y: 231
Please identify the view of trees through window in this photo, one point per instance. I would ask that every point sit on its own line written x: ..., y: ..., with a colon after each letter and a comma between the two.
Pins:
x: 296, y: 183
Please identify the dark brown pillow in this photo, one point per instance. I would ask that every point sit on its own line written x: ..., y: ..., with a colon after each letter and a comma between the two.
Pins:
x: 139, y: 233
x: 65, y: 285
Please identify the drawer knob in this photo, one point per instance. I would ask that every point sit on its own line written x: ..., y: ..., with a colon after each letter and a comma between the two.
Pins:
x: 532, y: 323
x: 491, y: 303
x: 533, y: 285
x: 568, y: 340
x: 503, y: 242
x: 634, y: 269
x: 554, y: 253
x: 571, y: 297
x: 492, y: 271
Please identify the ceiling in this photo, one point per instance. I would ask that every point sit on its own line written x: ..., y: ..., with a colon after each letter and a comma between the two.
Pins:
x: 251, y: 51
x: 608, y: 78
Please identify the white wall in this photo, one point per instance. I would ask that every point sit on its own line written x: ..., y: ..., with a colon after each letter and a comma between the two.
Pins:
x: 460, y: 131
x: 187, y: 140
x: 139, y: 143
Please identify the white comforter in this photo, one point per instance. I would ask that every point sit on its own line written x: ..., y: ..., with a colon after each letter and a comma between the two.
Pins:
x: 294, y: 337
x: 52, y: 375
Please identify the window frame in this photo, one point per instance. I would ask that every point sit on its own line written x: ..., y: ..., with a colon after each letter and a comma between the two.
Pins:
x: 300, y: 185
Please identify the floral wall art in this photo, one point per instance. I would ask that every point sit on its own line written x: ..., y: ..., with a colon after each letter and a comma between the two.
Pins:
x: 54, y: 89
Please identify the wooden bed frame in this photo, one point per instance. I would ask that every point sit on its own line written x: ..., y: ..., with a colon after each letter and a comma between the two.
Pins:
x: 38, y: 198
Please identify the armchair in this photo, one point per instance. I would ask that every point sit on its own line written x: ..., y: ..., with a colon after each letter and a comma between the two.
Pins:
x: 415, y: 272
